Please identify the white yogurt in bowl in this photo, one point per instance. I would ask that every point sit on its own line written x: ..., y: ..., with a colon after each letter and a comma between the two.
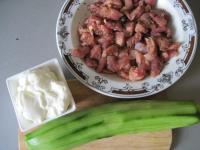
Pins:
x: 40, y: 94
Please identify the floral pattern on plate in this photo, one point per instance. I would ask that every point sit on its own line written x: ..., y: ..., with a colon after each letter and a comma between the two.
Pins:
x: 74, y: 12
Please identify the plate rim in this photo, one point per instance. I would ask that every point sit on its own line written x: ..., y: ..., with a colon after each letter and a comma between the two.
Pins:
x: 133, y: 96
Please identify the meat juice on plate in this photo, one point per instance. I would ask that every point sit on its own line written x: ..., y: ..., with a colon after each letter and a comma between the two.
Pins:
x: 129, y: 38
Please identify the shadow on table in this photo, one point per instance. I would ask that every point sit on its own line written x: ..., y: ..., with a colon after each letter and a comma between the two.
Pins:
x: 176, y: 138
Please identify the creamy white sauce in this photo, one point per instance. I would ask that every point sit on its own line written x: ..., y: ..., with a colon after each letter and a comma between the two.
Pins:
x: 41, y: 96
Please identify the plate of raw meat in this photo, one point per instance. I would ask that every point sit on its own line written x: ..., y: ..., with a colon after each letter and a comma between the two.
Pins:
x: 127, y: 48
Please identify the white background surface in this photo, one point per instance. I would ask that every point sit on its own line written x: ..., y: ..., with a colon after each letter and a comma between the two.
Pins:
x: 27, y: 38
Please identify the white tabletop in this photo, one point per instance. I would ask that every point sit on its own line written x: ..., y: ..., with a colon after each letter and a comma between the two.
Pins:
x: 27, y: 38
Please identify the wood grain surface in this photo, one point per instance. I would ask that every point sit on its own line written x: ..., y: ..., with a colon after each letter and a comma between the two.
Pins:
x: 85, y: 98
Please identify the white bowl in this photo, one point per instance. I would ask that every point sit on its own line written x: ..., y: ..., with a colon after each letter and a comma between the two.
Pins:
x: 53, y: 64
x: 74, y: 12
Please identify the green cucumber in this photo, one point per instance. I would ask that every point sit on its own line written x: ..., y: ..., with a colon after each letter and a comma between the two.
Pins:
x: 132, y: 126
x: 142, y: 125
x: 119, y: 106
x: 125, y: 114
x: 112, y: 119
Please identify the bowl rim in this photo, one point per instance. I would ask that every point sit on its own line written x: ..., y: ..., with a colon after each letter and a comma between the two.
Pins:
x: 67, y: 2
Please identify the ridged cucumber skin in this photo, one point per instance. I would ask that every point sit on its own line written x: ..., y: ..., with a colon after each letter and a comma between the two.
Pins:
x: 107, y: 117
x: 151, y: 125
x: 119, y: 113
x: 119, y: 106
x: 189, y: 108
x: 132, y: 126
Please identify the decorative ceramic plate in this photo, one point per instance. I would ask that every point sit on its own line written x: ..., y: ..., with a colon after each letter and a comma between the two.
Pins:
x: 74, y: 12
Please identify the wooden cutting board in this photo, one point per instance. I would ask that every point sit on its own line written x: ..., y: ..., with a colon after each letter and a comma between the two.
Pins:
x: 84, y: 97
